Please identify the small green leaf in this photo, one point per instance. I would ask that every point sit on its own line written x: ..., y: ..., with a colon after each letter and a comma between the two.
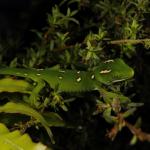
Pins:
x: 129, y: 112
x: 107, y: 115
x: 53, y: 119
x: 11, y: 85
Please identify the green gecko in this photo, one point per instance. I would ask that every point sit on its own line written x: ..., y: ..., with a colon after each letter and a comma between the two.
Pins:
x: 106, y: 73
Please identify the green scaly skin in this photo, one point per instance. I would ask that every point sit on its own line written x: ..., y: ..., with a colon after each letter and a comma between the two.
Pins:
x: 106, y: 73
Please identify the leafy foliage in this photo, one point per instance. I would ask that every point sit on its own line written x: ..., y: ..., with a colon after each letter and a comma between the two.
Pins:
x: 69, y: 40
x: 15, y: 140
x: 11, y: 107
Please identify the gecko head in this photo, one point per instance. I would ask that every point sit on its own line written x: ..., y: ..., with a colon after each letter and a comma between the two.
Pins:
x: 112, y: 71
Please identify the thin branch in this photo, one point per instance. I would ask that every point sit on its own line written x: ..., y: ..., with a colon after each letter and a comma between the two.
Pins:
x: 113, y: 42
x: 142, y: 136
x: 129, y: 41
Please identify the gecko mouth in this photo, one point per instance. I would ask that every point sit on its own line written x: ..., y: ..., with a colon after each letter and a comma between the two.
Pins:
x: 119, y: 80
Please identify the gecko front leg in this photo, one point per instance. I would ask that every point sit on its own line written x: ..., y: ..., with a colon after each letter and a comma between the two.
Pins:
x: 34, y: 97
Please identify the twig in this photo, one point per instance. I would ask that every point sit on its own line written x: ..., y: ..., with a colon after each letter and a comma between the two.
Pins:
x: 129, y: 41
x: 142, y: 136
x: 113, y: 42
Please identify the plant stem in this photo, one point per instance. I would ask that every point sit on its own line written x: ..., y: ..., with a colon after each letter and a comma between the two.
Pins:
x: 129, y: 41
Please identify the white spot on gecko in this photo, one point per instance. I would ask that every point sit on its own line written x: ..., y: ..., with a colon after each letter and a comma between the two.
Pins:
x: 25, y: 74
x: 108, y: 61
x: 105, y: 71
x: 79, y: 79
x: 78, y: 72
x: 39, y: 69
x: 34, y: 83
x: 60, y: 77
x: 92, y: 76
x: 62, y: 71
x: 38, y: 74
